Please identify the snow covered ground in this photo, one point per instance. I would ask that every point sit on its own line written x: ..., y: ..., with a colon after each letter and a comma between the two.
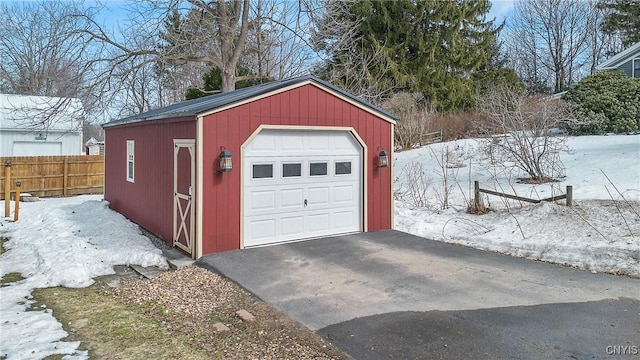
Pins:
x: 596, y: 234
x: 69, y: 241
x: 60, y: 242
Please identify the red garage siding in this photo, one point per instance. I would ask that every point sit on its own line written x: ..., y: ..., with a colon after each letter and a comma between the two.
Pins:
x: 228, y: 121
x: 148, y: 201
x: 307, y: 105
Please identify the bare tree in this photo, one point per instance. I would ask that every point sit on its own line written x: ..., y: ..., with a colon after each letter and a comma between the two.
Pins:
x: 414, y: 117
x: 44, y: 54
x: 277, y: 45
x: 552, y: 36
x: 523, y: 139
x: 212, y: 33
x: 600, y: 44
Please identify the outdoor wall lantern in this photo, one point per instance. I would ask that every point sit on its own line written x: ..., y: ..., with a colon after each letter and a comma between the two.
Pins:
x: 383, y: 158
x: 225, y: 160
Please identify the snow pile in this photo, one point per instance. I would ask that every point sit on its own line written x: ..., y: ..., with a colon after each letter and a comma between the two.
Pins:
x: 595, y: 234
x: 60, y: 242
x: 69, y: 241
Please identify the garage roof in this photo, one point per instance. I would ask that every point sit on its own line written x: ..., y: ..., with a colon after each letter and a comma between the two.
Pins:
x: 224, y: 100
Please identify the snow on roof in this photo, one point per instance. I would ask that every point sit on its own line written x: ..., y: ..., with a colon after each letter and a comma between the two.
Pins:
x: 22, y: 112
x: 213, y: 102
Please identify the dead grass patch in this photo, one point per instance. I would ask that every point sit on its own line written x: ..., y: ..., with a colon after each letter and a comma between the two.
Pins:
x: 111, y: 329
x: 2, y: 241
x: 173, y: 316
x: 10, y: 278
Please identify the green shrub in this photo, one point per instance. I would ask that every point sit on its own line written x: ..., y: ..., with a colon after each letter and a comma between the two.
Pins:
x: 608, y: 101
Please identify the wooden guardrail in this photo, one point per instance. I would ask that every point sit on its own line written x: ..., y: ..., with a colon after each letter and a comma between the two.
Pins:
x: 430, y: 138
x: 477, y: 190
x: 55, y: 175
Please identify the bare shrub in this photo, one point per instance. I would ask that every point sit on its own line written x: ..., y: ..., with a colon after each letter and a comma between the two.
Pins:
x: 459, y: 125
x: 416, y: 184
x: 414, y: 117
x: 523, y: 139
x: 443, y: 158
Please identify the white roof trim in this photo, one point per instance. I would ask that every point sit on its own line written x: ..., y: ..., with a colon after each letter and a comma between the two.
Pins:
x: 611, y: 63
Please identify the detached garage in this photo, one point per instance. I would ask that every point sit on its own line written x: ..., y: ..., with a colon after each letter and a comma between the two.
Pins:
x: 283, y: 161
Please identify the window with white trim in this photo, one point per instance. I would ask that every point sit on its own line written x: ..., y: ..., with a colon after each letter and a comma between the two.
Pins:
x: 130, y: 159
x: 262, y: 171
x: 636, y: 68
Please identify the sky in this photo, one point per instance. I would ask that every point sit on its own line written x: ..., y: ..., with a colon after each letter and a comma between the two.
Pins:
x: 69, y: 241
x: 115, y: 13
x: 500, y: 9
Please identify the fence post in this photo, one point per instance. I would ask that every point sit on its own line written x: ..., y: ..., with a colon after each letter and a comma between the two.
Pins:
x: 7, y: 188
x: 569, y: 195
x: 64, y: 176
x: 476, y: 194
x: 16, y: 212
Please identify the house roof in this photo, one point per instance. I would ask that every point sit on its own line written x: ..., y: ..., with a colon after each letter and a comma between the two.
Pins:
x: 23, y: 112
x: 629, y: 53
x: 229, y: 99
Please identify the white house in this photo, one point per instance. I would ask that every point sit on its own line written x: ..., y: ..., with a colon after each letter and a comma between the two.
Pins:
x: 94, y: 147
x: 40, y: 125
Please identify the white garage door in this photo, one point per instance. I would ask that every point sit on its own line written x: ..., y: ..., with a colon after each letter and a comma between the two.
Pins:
x: 28, y: 148
x: 301, y: 184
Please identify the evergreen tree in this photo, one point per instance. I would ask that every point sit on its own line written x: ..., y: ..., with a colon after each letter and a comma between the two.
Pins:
x: 430, y: 46
x: 213, y: 83
x: 624, y: 18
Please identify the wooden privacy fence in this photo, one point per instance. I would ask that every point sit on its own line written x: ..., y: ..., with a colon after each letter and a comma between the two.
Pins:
x: 477, y: 190
x: 55, y: 175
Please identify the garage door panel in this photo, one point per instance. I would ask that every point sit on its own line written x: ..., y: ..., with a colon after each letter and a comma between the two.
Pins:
x: 344, y: 194
x: 275, y: 208
x: 263, y: 200
x: 291, y: 199
x: 263, y: 230
x: 318, y: 196
x: 343, y: 143
x: 292, y: 227
x: 291, y: 142
x: 263, y: 144
x: 318, y: 222
x: 344, y: 219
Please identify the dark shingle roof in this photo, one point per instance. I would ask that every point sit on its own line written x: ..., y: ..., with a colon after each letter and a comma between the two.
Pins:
x: 198, y: 106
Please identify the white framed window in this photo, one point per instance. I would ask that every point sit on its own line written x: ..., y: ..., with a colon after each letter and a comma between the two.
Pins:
x: 317, y: 168
x: 636, y: 68
x: 130, y: 160
x: 291, y: 170
x: 262, y: 171
x: 342, y: 167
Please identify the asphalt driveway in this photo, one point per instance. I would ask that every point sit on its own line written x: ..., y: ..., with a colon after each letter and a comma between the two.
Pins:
x: 393, y: 295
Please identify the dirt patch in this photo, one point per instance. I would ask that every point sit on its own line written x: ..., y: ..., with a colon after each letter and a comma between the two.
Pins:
x: 537, y: 181
x: 10, y: 278
x: 174, y: 316
x: 2, y: 241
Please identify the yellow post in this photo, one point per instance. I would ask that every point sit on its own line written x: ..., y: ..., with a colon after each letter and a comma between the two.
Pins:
x: 7, y: 188
x: 16, y: 213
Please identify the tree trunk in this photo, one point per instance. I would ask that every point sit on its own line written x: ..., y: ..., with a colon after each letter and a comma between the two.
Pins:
x: 228, y: 79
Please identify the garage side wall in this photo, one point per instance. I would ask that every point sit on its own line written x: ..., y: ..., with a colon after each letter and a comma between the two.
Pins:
x: 148, y: 201
x: 307, y: 105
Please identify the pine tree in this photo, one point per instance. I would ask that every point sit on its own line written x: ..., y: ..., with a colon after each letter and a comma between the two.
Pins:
x: 430, y: 46
x: 624, y: 18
